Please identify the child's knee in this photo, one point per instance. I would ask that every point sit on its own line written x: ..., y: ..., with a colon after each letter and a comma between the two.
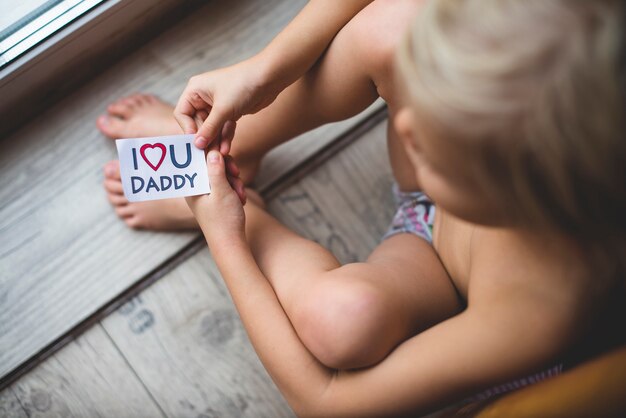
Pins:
x: 377, y: 31
x: 374, y: 35
x: 343, y: 321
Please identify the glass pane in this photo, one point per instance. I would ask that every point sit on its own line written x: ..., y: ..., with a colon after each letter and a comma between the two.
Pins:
x: 11, y: 11
x: 25, y: 23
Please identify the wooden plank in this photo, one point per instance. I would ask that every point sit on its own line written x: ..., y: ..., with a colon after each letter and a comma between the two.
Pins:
x: 86, y: 379
x: 10, y: 406
x: 184, y: 339
x: 63, y: 252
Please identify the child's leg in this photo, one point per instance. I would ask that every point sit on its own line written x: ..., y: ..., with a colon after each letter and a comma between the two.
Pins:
x: 355, y: 69
x: 352, y: 316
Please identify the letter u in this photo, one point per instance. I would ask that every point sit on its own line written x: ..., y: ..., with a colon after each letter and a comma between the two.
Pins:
x: 173, y: 156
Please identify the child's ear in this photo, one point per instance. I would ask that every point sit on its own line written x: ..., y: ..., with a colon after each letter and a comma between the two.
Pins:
x: 404, y: 124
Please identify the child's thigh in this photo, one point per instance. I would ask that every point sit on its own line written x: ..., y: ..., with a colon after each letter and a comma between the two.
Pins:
x: 353, y: 316
x: 356, y: 68
x: 374, y: 35
x: 358, y: 65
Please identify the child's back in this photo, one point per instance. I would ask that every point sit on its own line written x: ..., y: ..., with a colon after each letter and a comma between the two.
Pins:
x: 517, y: 134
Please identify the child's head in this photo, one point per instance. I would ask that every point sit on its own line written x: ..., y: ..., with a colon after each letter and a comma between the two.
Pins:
x: 517, y: 110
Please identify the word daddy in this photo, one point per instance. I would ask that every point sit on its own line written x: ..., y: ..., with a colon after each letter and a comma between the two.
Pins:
x: 162, y: 167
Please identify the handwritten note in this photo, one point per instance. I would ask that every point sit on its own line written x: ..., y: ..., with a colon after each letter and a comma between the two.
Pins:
x: 162, y: 167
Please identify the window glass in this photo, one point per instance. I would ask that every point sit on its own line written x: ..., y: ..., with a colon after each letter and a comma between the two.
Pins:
x: 25, y: 23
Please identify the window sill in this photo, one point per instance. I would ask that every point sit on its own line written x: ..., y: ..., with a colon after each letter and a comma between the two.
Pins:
x: 71, y: 56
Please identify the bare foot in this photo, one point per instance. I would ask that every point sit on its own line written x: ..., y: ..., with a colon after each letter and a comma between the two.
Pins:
x: 136, y: 116
x: 158, y: 215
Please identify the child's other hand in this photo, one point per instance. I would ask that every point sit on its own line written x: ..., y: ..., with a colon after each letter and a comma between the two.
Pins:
x: 220, y: 214
x: 212, y: 102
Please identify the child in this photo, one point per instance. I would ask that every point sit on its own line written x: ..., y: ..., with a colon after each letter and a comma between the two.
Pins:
x: 513, y: 125
x: 325, y: 53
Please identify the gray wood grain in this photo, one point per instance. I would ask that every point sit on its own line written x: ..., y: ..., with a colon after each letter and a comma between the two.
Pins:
x: 184, y: 339
x: 88, y: 378
x: 10, y: 406
x: 63, y: 252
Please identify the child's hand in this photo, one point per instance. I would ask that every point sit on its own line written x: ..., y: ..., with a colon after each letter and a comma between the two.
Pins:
x: 220, y: 214
x: 212, y: 102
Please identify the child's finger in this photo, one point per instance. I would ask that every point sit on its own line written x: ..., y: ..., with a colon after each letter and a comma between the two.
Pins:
x: 237, y: 184
x: 228, y: 133
x: 202, y: 114
x: 231, y: 166
x: 212, y: 126
x: 198, y: 119
x: 214, y: 145
x: 220, y: 186
x: 183, y: 113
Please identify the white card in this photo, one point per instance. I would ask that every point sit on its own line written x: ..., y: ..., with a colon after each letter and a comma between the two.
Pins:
x: 162, y: 167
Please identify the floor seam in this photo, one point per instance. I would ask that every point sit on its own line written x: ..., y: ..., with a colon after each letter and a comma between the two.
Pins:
x: 132, y: 369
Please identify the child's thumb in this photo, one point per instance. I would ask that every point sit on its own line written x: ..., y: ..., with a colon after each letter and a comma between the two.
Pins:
x: 217, y: 173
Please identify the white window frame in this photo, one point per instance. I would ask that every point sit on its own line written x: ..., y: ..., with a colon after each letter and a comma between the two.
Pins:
x: 43, y: 24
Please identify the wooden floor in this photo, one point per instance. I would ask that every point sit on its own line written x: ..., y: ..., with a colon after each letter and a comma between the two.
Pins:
x: 64, y: 255
x: 179, y: 348
x: 99, y: 320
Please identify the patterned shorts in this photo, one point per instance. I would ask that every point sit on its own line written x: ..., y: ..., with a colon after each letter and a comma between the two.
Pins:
x: 415, y: 215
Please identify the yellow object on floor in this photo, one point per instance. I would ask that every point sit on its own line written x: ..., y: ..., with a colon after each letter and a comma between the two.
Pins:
x: 594, y: 389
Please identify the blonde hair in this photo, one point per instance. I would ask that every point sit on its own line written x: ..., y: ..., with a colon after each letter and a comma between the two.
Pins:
x: 536, y: 88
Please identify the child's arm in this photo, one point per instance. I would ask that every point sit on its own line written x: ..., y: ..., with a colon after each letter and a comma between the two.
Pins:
x: 465, y: 354
x: 216, y: 97
x: 303, y: 41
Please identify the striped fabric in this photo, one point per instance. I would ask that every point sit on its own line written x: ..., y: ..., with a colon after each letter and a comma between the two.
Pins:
x: 518, y: 384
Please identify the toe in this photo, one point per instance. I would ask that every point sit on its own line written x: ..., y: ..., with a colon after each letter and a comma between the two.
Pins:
x: 113, y: 186
x: 138, y: 115
x: 112, y: 170
x: 112, y: 127
x: 133, y: 222
x: 117, y: 199
x: 134, y: 99
x: 125, y: 211
x: 121, y: 109
x: 103, y: 124
x: 143, y: 98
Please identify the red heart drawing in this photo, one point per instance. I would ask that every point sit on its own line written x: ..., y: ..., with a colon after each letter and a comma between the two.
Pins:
x: 158, y: 145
